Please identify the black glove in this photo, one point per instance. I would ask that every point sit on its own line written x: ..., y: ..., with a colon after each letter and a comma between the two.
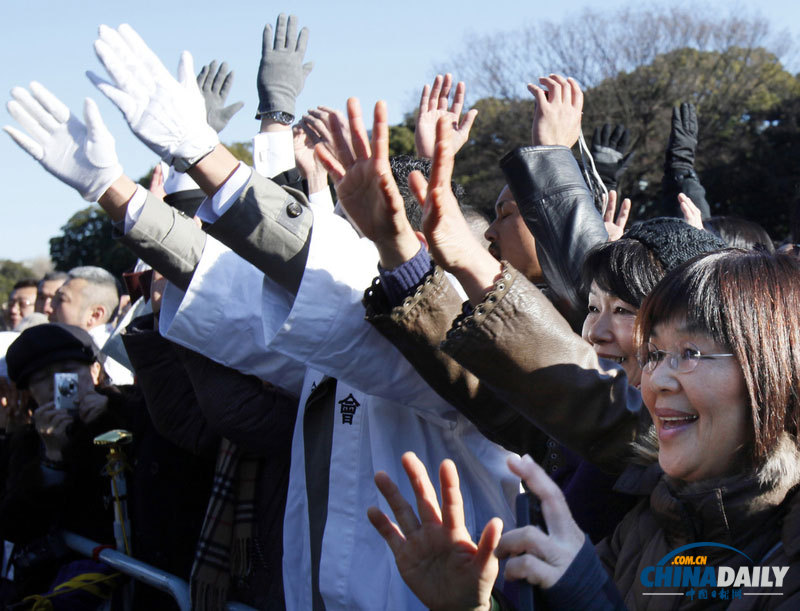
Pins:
x: 682, y: 139
x: 608, y: 152
x: 679, y: 174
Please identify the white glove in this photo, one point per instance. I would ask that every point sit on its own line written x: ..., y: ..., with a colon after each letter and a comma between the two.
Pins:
x: 169, y: 116
x: 82, y: 156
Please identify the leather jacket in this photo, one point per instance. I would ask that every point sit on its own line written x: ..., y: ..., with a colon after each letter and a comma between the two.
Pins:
x: 558, y: 209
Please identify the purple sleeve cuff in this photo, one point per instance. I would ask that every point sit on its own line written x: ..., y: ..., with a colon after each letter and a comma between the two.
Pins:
x: 402, y: 281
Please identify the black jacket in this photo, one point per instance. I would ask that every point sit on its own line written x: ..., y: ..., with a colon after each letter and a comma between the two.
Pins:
x: 195, y: 401
x: 559, y: 211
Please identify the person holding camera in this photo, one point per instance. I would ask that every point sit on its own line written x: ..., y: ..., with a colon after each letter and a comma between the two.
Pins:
x: 55, y: 474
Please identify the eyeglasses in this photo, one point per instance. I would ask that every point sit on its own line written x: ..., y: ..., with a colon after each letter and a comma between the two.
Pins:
x: 683, y: 361
x: 21, y: 303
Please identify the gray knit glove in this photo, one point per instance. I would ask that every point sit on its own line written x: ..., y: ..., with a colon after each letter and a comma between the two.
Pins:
x: 215, y: 84
x: 282, y: 73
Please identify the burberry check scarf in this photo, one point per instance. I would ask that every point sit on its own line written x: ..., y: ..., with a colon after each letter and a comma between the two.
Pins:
x: 223, y: 550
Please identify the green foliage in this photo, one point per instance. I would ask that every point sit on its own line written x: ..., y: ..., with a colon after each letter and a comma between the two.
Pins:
x: 12, y: 272
x: 635, y: 63
x: 730, y: 89
x: 86, y: 240
x: 761, y: 181
x: 501, y: 126
x: 401, y: 140
x: 243, y: 151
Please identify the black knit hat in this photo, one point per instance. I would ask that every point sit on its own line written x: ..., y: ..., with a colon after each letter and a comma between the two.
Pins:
x: 673, y: 240
x: 37, y: 347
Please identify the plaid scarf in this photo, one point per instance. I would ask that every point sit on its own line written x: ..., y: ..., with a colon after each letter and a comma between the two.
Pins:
x: 223, y: 549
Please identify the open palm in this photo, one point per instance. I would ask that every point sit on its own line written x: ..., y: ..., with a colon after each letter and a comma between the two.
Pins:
x: 435, y: 553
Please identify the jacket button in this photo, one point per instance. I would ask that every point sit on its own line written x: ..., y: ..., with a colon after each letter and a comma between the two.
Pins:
x: 294, y: 210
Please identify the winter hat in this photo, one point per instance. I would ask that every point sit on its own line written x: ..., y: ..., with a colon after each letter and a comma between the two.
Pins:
x: 673, y: 240
x: 38, y: 346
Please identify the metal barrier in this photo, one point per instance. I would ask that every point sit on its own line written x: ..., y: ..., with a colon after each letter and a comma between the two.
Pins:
x: 141, y: 571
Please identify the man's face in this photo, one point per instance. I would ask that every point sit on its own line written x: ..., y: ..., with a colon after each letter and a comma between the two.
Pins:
x: 44, y: 297
x: 21, y: 302
x: 68, y: 304
x: 511, y: 240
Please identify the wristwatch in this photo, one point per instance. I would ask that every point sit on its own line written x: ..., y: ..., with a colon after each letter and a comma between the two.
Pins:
x: 284, y: 118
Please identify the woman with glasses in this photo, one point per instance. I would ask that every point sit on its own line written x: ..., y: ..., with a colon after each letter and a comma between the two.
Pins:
x: 717, y: 472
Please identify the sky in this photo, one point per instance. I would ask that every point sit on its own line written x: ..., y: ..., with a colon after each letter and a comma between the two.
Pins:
x: 369, y: 50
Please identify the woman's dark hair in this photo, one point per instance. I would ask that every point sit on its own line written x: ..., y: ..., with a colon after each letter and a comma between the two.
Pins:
x: 746, y: 301
x: 625, y: 268
x: 740, y: 233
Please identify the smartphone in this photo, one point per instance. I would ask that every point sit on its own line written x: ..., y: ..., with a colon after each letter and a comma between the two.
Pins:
x: 529, y: 511
x: 65, y: 391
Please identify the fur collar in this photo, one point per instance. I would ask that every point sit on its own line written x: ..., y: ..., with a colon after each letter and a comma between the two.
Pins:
x: 781, y: 470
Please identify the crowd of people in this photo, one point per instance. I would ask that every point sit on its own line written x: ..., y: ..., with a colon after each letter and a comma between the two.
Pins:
x: 304, y: 342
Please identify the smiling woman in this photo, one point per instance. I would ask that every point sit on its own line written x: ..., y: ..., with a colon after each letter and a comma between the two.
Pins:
x: 729, y: 303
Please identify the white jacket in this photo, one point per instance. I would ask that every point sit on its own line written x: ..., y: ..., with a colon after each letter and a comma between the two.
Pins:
x: 395, y: 411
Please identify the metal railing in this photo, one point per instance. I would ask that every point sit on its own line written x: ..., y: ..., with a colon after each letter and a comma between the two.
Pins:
x: 141, y: 571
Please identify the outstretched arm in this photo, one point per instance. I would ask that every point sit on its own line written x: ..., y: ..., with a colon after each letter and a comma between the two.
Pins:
x: 552, y: 196
x: 679, y: 172
x: 450, y: 240
x: 83, y: 156
x: 365, y: 186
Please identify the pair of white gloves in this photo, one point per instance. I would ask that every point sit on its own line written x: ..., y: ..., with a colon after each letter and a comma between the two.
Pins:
x: 168, y: 115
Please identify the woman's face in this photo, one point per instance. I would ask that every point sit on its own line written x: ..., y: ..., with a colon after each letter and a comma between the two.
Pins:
x: 608, y: 327
x: 702, y: 417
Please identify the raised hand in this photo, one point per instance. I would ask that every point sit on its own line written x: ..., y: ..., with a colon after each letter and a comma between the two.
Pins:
x: 616, y: 227
x: 168, y: 115
x: 308, y: 164
x: 323, y: 121
x: 82, y: 156
x: 557, y: 118
x: 450, y: 240
x: 539, y: 558
x: 365, y: 186
x: 157, y: 182
x: 433, y: 106
x: 282, y: 73
x: 691, y: 213
x: 215, y: 83
x: 435, y: 553
x: 682, y: 138
x: 609, y: 153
